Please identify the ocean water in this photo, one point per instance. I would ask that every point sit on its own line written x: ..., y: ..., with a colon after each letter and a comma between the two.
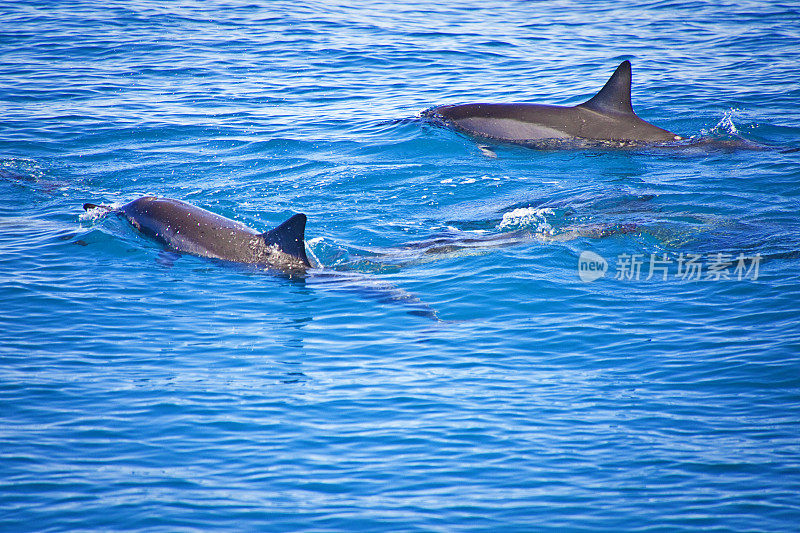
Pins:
x: 453, y: 365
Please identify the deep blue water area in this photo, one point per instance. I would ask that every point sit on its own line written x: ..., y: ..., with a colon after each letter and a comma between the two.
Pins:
x: 499, y: 338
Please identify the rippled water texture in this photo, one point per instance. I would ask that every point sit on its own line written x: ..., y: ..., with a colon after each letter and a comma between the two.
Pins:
x: 453, y: 366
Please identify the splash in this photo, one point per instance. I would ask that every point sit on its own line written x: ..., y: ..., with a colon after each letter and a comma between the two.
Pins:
x: 98, y: 212
x: 725, y: 126
x: 528, y: 218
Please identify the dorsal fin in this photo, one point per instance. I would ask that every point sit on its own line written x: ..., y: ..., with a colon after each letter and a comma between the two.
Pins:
x: 615, y: 96
x: 290, y: 237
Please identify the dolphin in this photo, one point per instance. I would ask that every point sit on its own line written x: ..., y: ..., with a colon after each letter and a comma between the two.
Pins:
x: 185, y: 228
x: 607, y: 116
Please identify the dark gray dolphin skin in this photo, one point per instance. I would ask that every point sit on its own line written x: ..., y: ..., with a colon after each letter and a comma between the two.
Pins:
x: 607, y: 116
x: 188, y: 229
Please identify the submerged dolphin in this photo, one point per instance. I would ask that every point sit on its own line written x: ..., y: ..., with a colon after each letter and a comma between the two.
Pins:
x: 189, y: 229
x: 607, y: 116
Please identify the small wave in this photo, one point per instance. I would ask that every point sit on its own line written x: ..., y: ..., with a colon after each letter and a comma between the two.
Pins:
x: 315, y: 262
x: 466, y: 181
x: 329, y: 254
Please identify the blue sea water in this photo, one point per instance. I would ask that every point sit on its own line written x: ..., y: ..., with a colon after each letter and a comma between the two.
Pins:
x: 448, y: 369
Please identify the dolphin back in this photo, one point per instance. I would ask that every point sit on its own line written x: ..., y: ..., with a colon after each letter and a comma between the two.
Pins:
x: 186, y: 228
x: 289, y: 237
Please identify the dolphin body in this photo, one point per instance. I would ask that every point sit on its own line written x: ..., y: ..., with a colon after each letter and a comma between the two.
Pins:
x: 188, y: 229
x: 607, y: 116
